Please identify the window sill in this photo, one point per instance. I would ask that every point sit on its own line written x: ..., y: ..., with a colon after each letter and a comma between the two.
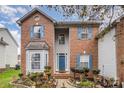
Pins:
x: 85, y: 39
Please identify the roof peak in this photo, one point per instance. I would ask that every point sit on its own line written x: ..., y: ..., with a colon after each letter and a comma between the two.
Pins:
x: 32, y: 11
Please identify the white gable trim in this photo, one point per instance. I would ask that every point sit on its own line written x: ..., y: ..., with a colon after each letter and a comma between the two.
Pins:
x: 5, y: 29
x: 32, y: 11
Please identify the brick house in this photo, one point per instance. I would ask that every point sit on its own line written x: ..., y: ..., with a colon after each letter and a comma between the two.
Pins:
x: 59, y: 44
x: 111, y: 50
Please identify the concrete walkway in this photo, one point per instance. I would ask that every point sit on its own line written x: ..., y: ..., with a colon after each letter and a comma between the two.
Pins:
x: 63, y: 82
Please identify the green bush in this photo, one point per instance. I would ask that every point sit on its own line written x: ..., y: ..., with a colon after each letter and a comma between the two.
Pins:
x: 47, y: 67
x: 95, y: 71
x: 87, y: 84
x: 85, y: 70
x: 33, y: 76
x: 40, y: 74
x: 20, y: 75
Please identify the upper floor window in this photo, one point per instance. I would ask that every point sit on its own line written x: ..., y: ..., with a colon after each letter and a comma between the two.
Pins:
x: 61, y: 39
x: 84, y: 33
x: 37, y: 31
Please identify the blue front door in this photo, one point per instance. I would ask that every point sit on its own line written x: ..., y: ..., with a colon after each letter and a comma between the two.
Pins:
x: 62, y: 62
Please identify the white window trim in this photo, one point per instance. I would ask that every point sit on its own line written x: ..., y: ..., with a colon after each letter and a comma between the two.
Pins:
x: 41, y: 68
x: 59, y: 37
x: 85, y: 61
x: 43, y: 32
x: 42, y: 61
x: 57, y: 61
x: 36, y: 61
x: 84, y: 32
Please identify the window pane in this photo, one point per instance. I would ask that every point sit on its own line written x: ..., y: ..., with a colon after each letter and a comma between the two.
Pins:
x: 36, y: 29
x: 84, y: 64
x: 35, y: 65
x: 84, y: 59
x: 84, y: 34
x: 61, y: 39
x: 35, y: 57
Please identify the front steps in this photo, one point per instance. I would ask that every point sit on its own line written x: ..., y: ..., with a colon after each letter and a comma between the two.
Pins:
x: 62, y: 76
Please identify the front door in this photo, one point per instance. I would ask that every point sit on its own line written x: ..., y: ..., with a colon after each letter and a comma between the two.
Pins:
x: 61, y: 62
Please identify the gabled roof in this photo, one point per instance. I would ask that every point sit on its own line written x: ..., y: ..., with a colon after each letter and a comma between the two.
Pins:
x: 57, y: 22
x: 33, y: 11
x: 5, y: 29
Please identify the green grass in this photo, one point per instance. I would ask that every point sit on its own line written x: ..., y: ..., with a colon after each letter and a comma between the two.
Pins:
x: 7, y: 76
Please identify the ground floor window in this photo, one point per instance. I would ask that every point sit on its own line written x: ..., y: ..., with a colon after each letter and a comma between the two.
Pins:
x: 35, y: 61
x: 84, y: 61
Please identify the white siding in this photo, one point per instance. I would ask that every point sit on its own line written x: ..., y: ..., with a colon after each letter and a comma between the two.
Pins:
x: 59, y: 48
x: 2, y: 56
x: 11, y: 50
x: 107, y: 55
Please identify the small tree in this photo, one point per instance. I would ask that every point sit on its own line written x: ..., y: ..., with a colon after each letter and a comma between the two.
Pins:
x: 85, y: 71
x: 95, y: 74
x: 20, y: 75
x: 48, y: 71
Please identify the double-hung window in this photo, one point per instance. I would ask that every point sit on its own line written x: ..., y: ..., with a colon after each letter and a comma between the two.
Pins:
x: 35, y: 61
x: 37, y: 31
x: 85, y: 33
x: 84, y: 61
x: 61, y: 39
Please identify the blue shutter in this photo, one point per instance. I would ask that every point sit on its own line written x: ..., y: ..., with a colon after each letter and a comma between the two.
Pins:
x: 78, y: 60
x: 31, y: 32
x: 90, y: 32
x: 42, y: 31
x: 80, y: 29
x: 90, y: 61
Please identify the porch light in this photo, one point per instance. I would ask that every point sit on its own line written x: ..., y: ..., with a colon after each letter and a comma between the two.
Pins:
x: 84, y: 52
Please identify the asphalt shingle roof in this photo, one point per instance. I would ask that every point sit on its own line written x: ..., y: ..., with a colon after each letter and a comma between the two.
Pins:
x: 37, y: 45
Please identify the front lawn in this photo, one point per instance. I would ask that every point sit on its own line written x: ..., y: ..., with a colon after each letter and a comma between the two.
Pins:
x: 7, y: 76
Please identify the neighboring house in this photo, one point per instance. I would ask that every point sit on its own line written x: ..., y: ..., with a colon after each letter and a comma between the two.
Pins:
x: 61, y: 45
x: 8, y: 49
x: 19, y: 59
x: 111, y: 50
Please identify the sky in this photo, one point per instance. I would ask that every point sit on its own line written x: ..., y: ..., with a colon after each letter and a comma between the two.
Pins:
x: 10, y: 14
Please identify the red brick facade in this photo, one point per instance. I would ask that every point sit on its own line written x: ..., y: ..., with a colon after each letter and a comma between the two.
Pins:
x: 79, y: 46
x: 120, y: 49
x: 25, y: 37
x: 76, y: 46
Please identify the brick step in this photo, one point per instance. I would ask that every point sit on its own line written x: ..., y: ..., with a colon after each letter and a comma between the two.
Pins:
x: 64, y: 76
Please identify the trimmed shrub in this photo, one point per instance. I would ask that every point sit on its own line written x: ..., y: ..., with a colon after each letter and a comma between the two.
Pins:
x: 47, y: 67
x: 95, y: 71
x: 20, y: 75
x: 87, y: 84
